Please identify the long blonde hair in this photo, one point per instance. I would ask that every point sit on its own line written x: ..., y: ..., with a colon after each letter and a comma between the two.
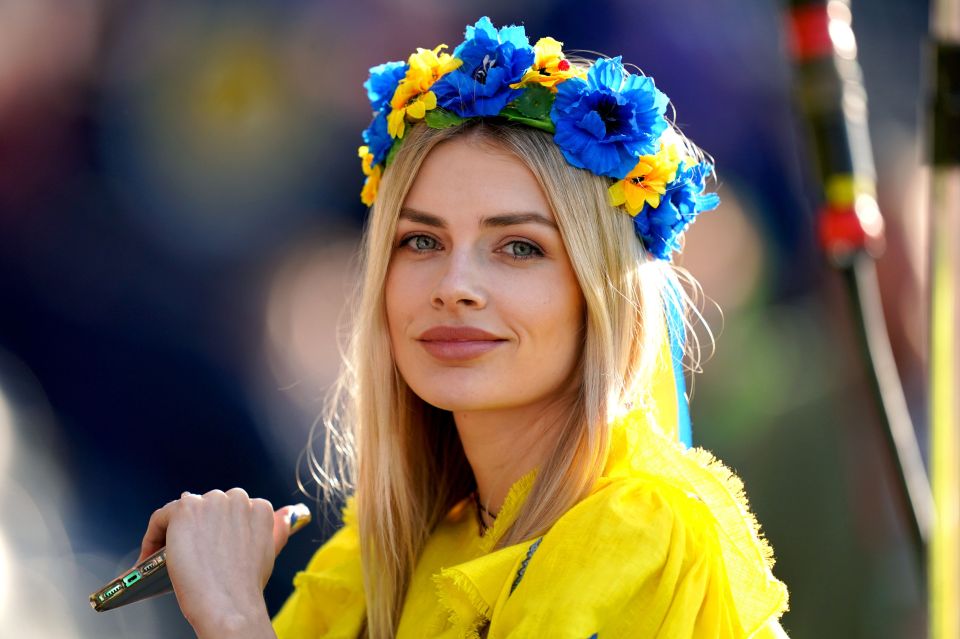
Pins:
x: 401, y: 457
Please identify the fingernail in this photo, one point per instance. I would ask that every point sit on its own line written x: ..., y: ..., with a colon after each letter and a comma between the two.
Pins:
x: 298, y: 516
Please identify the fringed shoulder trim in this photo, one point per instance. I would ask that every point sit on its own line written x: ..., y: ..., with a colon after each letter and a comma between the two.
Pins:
x: 639, y: 446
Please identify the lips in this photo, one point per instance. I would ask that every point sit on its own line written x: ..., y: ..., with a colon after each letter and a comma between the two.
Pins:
x: 458, y: 343
x: 456, y: 334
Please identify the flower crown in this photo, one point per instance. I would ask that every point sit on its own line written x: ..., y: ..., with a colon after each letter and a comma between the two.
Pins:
x: 604, y: 119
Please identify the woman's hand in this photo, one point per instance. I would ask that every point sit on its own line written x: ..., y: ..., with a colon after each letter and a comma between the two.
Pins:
x: 220, y: 553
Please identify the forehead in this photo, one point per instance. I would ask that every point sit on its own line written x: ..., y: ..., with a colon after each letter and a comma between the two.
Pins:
x: 469, y: 176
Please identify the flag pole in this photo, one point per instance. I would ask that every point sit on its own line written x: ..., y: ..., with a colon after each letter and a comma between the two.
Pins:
x: 944, y: 342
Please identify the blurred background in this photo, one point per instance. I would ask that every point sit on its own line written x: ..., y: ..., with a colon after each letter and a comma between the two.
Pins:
x: 179, y: 210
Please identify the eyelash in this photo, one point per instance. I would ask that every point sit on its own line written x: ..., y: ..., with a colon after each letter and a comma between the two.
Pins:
x: 406, y: 242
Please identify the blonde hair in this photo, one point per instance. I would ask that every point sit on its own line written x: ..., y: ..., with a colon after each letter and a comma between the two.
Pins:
x: 402, y: 457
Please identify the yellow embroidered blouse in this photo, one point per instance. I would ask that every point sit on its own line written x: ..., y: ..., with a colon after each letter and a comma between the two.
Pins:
x: 664, y: 547
x: 642, y: 556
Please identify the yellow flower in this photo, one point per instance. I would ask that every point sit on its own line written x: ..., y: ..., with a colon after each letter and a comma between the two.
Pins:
x: 370, y: 186
x: 373, y: 173
x: 411, y: 105
x: 413, y: 97
x: 367, y: 159
x: 648, y: 180
x: 550, y: 67
x: 429, y: 65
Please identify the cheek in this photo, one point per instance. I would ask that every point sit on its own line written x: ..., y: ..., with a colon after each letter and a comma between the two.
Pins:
x: 552, y: 312
x: 568, y: 327
x: 569, y: 309
x: 403, y: 304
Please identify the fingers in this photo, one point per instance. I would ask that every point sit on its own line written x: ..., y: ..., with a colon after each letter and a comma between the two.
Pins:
x: 155, y: 537
x: 258, y: 512
x: 236, y: 500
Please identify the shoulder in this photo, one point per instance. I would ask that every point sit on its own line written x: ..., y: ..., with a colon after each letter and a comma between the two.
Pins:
x: 640, y: 556
x: 634, y: 527
x: 636, y: 524
x: 638, y: 503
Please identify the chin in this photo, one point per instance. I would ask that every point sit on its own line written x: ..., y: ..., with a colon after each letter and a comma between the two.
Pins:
x: 458, y: 400
x: 458, y: 393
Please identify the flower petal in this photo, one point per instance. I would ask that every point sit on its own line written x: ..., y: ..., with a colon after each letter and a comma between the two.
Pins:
x: 616, y: 193
x: 593, y: 124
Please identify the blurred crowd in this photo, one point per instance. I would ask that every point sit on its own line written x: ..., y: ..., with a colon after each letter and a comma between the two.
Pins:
x: 179, y: 215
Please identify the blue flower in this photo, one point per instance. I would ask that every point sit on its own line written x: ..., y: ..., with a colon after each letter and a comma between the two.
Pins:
x: 377, y: 138
x: 492, y: 61
x: 606, y: 121
x: 660, y: 228
x: 382, y: 83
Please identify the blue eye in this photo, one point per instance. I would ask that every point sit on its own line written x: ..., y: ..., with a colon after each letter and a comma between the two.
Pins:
x: 420, y: 243
x: 520, y: 250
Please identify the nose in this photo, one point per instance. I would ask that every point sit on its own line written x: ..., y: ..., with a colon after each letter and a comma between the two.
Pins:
x: 459, y: 284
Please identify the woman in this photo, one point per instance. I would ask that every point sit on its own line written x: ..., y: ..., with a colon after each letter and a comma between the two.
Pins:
x: 510, y: 417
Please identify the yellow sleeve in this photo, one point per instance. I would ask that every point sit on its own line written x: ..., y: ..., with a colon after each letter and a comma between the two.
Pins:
x: 639, y: 558
x: 690, y: 594
x: 327, y: 599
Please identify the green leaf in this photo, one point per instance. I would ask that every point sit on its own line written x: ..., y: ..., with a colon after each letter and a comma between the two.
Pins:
x: 392, y: 152
x: 439, y: 118
x: 535, y: 102
x: 544, y: 124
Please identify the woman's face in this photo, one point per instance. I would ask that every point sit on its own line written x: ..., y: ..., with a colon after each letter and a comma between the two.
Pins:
x: 483, y: 307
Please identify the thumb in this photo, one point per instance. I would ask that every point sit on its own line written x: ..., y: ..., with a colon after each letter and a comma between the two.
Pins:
x: 286, y: 521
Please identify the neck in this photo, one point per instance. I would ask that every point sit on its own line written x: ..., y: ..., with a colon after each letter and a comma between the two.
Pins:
x: 504, y: 445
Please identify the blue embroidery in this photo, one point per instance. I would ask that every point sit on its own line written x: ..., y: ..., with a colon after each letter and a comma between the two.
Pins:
x: 523, y: 564
x: 593, y: 636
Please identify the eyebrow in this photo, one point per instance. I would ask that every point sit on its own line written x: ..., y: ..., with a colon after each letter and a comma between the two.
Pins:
x: 505, y: 219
